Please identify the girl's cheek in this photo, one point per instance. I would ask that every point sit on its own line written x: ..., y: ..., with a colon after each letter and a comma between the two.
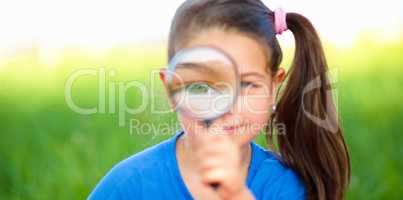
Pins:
x: 256, y: 114
x: 256, y: 109
x: 255, y: 123
x: 256, y: 105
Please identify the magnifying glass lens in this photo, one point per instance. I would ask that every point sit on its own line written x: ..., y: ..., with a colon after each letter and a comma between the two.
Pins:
x: 202, y: 82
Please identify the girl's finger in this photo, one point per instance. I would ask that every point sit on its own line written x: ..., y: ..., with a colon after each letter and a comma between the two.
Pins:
x: 211, y: 163
x: 214, y: 176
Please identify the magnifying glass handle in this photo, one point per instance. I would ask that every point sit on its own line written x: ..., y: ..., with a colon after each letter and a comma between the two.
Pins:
x: 208, y: 123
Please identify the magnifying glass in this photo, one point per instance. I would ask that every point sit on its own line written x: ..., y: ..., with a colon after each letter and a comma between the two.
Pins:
x: 203, y: 83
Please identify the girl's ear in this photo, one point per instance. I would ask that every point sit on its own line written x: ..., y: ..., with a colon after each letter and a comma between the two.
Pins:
x: 278, y: 78
x: 163, y: 76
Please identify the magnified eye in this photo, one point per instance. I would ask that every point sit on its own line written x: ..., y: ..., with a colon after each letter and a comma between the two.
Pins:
x: 245, y: 84
x: 199, y: 88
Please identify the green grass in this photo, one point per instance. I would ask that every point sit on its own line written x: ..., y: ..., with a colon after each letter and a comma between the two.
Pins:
x: 48, y: 151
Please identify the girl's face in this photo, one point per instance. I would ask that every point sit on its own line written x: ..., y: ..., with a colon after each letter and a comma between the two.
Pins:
x: 252, y: 110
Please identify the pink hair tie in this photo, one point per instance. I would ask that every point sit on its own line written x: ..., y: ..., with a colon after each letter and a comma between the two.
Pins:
x: 280, y: 23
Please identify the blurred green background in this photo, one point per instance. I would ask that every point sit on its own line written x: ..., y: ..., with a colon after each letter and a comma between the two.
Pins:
x: 48, y: 151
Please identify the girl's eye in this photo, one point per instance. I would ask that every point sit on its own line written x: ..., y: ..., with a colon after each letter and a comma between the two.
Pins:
x: 245, y: 84
x: 198, y: 88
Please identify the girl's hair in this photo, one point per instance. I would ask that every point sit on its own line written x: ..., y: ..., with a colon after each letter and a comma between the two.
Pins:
x: 314, y: 149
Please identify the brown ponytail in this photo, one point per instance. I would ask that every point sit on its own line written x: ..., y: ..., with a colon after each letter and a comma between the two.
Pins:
x: 314, y: 148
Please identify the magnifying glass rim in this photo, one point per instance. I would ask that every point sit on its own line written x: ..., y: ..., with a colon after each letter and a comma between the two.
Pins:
x: 171, y: 70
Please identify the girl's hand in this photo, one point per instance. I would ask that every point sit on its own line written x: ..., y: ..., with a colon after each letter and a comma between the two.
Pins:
x: 220, y: 163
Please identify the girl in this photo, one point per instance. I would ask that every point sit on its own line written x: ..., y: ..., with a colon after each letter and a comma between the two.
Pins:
x: 309, y: 158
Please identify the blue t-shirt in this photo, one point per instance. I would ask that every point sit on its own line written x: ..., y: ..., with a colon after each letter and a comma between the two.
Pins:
x: 154, y: 174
